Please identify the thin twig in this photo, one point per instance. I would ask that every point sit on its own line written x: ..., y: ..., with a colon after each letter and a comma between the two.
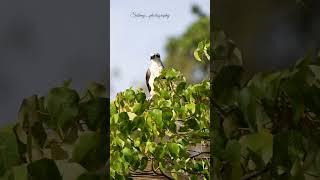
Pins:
x: 165, y: 175
x: 254, y: 174
x: 199, y: 154
x: 313, y: 175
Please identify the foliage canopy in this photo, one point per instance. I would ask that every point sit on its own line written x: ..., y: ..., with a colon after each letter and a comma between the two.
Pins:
x: 57, y: 136
x: 158, y: 134
x: 266, y: 127
x: 180, y: 50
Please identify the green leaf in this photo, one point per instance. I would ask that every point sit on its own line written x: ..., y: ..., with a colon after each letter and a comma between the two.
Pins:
x: 297, y: 171
x: 143, y: 164
x: 137, y: 108
x: 123, y: 116
x: 150, y: 146
x: 193, y: 124
x: 167, y: 114
x: 119, y: 142
x: 156, y: 115
x: 129, y: 94
x: 28, y: 112
x: 233, y: 157
x: 131, y: 115
x: 201, y: 51
x: 248, y: 106
x: 62, y: 105
x: 3, y: 160
x: 260, y: 143
x: 97, y: 90
x: 94, y: 112
x: 20, y: 172
x: 191, y: 107
x: 141, y: 96
x: 127, y: 154
x: 196, y: 55
x: 181, y: 86
x: 66, y: 83
x: 39, y: 133
x: 9, y: 146
x: 57, y: 152
x: 43, y: 169
x: 70, y: 170
x: 139, y: 122
x: 227, y: 84
x: 207, y: 50
x: 237, y: 56
x: 87, y: 142
x: 113, y: 109
x: 303, y: 62
x: 171, y: 74
x: 173, y: 149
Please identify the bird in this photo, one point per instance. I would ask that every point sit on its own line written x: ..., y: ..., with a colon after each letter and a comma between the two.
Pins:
x: 153, y: 71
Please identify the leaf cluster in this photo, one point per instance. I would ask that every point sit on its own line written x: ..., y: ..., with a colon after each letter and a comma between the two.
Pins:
x: 266, y: 127
x: 160, y: 136
x: 57, y: 136
x: 180, y: 50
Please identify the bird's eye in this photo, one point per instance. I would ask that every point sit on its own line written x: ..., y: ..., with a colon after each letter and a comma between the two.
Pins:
x: 158, y: 55
x: 152, y: 57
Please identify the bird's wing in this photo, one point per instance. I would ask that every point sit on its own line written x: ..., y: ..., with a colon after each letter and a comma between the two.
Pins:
x: 162, y: 64
x: 162, y: 68
x: 147, y: 79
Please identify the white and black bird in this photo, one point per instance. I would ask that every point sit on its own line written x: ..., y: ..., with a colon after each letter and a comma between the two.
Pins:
x: 153, y: 71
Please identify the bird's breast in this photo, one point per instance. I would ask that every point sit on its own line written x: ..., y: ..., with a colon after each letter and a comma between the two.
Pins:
x: 155, y: 70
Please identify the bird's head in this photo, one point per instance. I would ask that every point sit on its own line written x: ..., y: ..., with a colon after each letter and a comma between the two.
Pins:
x: 155, y: 56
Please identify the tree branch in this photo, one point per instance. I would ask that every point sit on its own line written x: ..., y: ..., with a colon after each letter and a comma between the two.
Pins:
x: 199, y: 154
x: 254, y: 174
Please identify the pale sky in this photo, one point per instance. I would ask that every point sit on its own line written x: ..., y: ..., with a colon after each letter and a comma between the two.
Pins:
x: 133, y: 39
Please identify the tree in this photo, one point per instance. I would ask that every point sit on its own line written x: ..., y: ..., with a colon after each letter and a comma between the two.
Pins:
x: 180, y: 49
x: 267, y: 126
x: 157, y: 137
x: 162, y: 136
x: 57, y: 136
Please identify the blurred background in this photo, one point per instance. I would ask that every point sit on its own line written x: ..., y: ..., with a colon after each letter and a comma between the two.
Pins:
x: 43, y: 43
x: 133, y: 39
x: 271, y: 34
